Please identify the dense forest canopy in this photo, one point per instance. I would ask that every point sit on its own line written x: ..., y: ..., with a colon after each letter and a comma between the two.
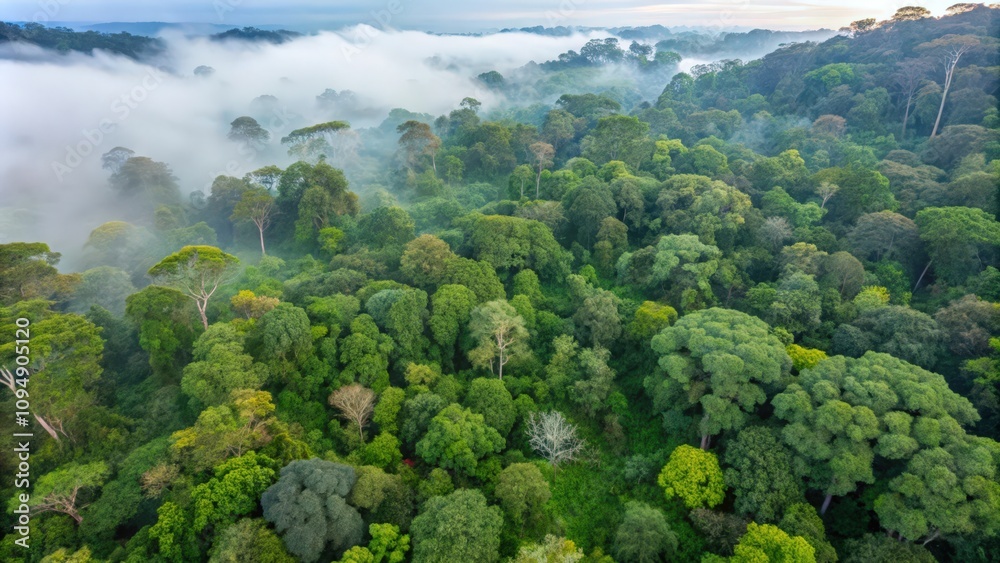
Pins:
x: 745, y: 312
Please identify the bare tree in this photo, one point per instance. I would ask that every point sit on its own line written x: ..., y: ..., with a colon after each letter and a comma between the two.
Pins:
x: 950, y: 49
x: 355, y: 403
x: 908, y: 79
x: 543, y: 153
x: 552, y: 436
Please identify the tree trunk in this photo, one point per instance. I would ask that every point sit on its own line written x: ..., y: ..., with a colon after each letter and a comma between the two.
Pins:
x: 826, y: 504
x: 434, y: 165
x: 48, y: 427
x: 262, y: 251
x: 538, y: 181
x: 906, y: 117
x: 933, y: 537
x: 921, y: 278
x: 202, y: 305
x: 704, y: 441
x: 949, y: 73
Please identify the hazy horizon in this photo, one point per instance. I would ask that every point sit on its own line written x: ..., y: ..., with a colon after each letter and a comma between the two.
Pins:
x: 475, y: 16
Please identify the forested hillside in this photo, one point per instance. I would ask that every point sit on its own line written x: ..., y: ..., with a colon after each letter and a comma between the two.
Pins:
x: 752, y: 317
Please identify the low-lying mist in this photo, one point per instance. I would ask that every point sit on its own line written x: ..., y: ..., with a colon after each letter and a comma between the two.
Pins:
x: 61, y: 112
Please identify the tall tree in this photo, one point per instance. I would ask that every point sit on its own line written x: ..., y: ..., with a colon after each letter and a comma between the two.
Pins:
x: 542, y: 154
x: 950, y: 49
x: 256, y: 206
x: 718, y: 361
x: 198, y: 272
x: 417, y: 140
x: 845, y: 411
x: 246, y: 129
x: 500, y: 335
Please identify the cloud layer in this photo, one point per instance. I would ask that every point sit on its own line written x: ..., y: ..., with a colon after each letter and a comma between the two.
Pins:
x: 60, y: 113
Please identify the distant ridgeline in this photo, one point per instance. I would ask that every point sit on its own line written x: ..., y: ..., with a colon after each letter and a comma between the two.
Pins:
x: 253, y: 34
x: 63, y: 39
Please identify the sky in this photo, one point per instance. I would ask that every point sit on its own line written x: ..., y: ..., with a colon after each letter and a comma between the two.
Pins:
x: 467, y: 15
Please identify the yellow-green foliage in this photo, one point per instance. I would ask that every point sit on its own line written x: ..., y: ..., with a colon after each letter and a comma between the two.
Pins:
x: 650, y: 318
x: 804, y: 358
x: 694, y: 476
x: 770, y: 543
x: 871, y: 297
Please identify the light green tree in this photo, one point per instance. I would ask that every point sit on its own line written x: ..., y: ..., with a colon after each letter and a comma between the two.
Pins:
x: 693, y: 476
x: 717, y: 361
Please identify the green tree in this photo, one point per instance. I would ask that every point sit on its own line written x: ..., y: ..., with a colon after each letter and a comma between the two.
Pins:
x: 164, y: 318
x: 104, y: 287
x: 244, y: 423
x: 959, y: 240
x: 947, y: 488
x: 425, y: 261
x: 522, y: 492
x: 308, y: 508
x: 365, y: 354
x: 63, y: 489
x: 708, y: 208
x: 693, y: 476
x: 720, y: 361
x: 283, y: 338
x: 681, y: 268
x: 510, y: 244
x: 618, y: 137
x: 417, y: 140
x: 65, y: 352
x: 457, y: 527
x: 650, y: 318
x: 458, y: 439
x: 644, y: 535
x: 387, y: 544
x: 880, y: 547
x: 220, y: 366
x: 28, y: 271
x: 196, y: 271
x: 233, y: 491
x: 478, y: 276
x: 770, y: 543
x: 836, y: 429
x: 451, y: 309
x: 758, y: 472
x: 246, y: 129
x: 250, y: 541
x: 801, y: 519
x: 490, y: 398
x: 900, y: 331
